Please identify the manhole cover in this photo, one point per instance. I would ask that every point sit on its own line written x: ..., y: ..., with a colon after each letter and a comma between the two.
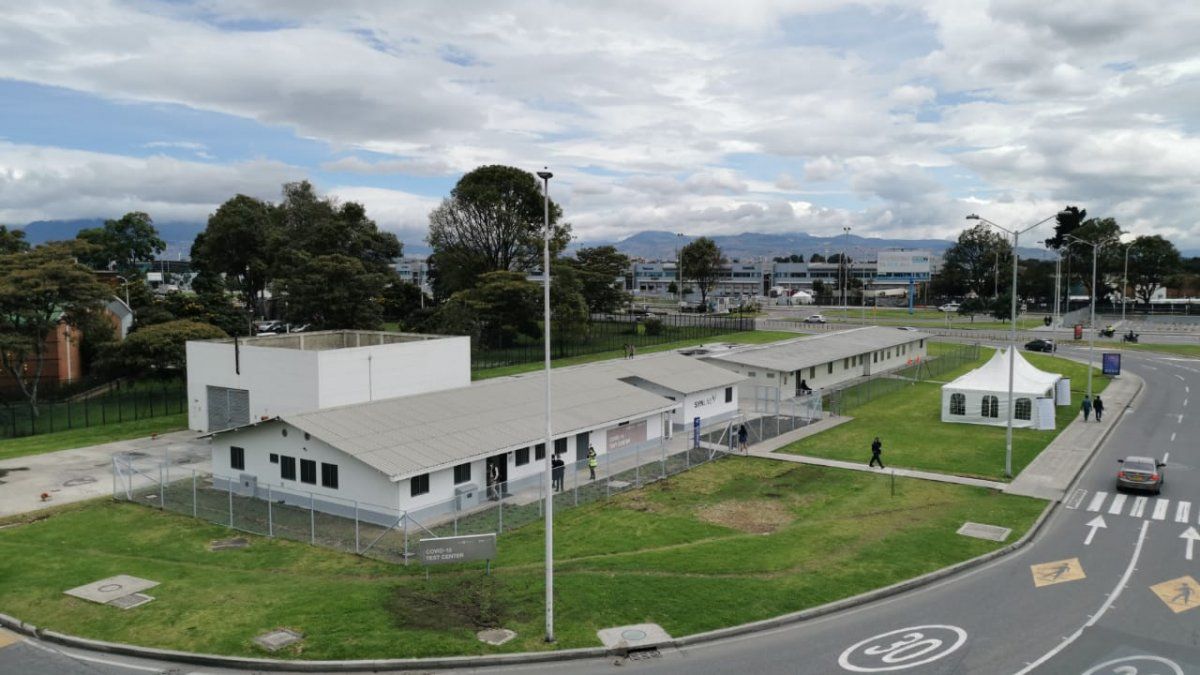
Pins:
x: 633, y: 635
x: 130, y: 601
x: 981, y: 531
x: 107, y: 590
x: 495, y: 636
x: 84, y: 480
x: 278, y: 639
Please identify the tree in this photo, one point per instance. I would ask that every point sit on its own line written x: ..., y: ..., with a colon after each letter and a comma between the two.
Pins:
x: 974, y: 259
x: 124, y: 243
x: 505, y: 306
x: 402, y: 302
x: 702, y: 262
x: 568, y: 307
x: 38, y: 290
x: 601, y: 271
x: 12, y: 241
x: 240, y: 241
x: 972, y: 306
x: 162, y: 347
x: 817, y: 258
x: 493, y: 220
x: 335, y: 291
x: 1152, y: 260
x: 211, y: 307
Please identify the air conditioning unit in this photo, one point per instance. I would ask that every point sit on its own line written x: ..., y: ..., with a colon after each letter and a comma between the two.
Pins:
x: 464, y: 495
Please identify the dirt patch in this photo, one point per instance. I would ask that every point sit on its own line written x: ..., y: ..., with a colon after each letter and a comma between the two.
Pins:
x: 637, y: 501
x: 473, y: 602
x: 756, y: 516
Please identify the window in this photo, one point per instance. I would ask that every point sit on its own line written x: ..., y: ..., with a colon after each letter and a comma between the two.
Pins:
x: 522, y: 456
x: 830, y: 367
x: 274, y: 458
x: 845, y: 364
x: 812, y: 371
x: 990, y: 407
x: 539, y: 452
x: 770, y: 376
x: 958, y: 404
x: 1023, y: 409
x: 750, y: 373
x: 560, y: 444
x: 237, y: 457
x: 329, y: 475
x: 287, y: 468
x: 418, y: 485
x: 921, y: 344
x: 462, y: 473
x: 874, y: 357
x: 308, y: 471
x: 729, y: 394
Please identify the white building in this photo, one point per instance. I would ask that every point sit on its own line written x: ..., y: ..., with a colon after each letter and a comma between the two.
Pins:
x: 821, y: 361
x: 432, y: 452
x: 231, y: 382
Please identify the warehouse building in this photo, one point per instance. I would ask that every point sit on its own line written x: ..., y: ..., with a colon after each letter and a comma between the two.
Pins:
x: 436, y: 448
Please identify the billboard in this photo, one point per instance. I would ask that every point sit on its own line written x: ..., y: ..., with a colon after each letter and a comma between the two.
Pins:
x: 903, y: 264
x: 1111, y: 364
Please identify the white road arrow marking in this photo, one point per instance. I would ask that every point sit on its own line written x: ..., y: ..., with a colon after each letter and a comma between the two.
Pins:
x: 1191, y: 535
x: 1098, y: 522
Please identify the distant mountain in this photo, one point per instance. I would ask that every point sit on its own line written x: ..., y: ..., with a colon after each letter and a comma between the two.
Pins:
x: 658, y: 245
x: 177, y: 235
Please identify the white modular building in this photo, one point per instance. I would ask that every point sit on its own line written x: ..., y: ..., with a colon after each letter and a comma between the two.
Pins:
x: 821, y: 361
x: 235, y: 381
x: 981, y: 396
x: 434, y: 452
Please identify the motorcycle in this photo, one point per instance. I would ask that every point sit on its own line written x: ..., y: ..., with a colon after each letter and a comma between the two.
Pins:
x: 1108, y: 331
x: 1130, y: 337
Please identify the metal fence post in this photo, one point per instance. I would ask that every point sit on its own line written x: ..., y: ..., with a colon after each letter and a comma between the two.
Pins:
x: 114, y: 474
x: 575, y: 483
x: 312, y: 519
x: 162, y: 488
x: 229, y: 490
x: 195, y: 507
x: 500, y: 512
x: 270, y: 514
x: 637, y: 469
x: 355, y: 527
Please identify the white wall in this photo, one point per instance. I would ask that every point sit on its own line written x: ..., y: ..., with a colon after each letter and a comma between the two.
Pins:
x: 280, y: 381
x: 374, y: 372
x: 820, y: 377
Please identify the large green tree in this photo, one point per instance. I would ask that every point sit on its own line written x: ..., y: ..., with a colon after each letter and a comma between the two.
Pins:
x: 241, y: 242
x: 601, y: 271
x: 334, y: 291
x: 163, y: 347
x: 122, y: 243
x: 12, y: 241
x: 492, y: 221
x: 38, y: 290
x: 1152, y: 260
x: 702, y: 260
x: 974, y: 261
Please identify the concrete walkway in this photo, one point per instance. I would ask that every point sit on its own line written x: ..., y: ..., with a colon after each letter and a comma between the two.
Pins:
x: 85, y: 473
x: 1050, y: 473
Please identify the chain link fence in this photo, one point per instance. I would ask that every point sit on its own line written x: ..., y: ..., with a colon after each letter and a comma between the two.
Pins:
x: 119, y: 402
x: 392, y: 535
x: 842, y: 399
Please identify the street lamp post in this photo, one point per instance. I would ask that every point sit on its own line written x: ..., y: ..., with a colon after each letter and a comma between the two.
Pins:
x: 1125, y: 280
x: 1096, y: 246
x: 548, y: 479
x: 1012, y: 347
x: 842, y: 265
x: 679, y: 269
x: 126, y: 285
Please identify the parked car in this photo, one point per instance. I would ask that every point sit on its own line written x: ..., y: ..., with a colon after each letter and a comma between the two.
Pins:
x: 949, y: 307
x: 815, y: 318
x: 1040, y: 345
x: 906, y: 328
x: 1140, y: 473
x: 268, y: 327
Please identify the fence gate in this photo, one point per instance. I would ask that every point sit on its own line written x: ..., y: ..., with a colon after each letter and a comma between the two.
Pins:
x: 227, y: 408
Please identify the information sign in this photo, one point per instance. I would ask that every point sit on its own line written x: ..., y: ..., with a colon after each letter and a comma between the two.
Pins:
x: 1111, y: 364
x: 465, y: 548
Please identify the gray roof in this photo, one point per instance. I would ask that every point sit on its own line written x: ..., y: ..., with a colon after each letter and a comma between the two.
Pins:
x: 673, y: 371
x: 820, y: 349
x: 411, y: 435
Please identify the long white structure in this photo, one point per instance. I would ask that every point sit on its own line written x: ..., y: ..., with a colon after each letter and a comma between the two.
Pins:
x: 233, y: 382
x: 981, y: 396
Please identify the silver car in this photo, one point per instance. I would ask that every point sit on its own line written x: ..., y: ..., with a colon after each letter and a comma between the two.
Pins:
x: 1140, y: 473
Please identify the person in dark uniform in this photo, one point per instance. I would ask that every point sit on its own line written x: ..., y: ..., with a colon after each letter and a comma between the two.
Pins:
x: 558, y: 469
x: 876, y: 450
x: 1098, y: 407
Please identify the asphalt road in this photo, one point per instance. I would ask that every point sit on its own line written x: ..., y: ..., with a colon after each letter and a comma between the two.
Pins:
x: 1079, y: 599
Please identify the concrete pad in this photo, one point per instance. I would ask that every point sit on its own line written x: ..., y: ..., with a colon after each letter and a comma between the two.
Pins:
x: 277, y: 639
x: 632, y: 637
x: 981, y: 531
x: 107, y: 590
x: 619, y: 484
x: 495, y: 636
x: 130, y: 601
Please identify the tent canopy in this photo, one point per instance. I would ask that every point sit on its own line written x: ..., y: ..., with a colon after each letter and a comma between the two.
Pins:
x: 993, y: 376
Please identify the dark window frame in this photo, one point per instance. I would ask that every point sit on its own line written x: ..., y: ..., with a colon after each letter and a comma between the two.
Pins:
x: 729, y: 394
x: 418, y: 485
x: 274, y: 458
x: 308, y: 471
x: 521, y: 457
x: 237, y: 458
x: 329, y: 475
x: 287, y: 468
x: 462, y: 473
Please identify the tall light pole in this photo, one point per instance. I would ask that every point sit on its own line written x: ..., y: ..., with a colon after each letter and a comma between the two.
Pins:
x: 1096, y: 246
x: 842, y: 265
x: 679, y: 268
x: 1125, y: 277
x: 1012, y: 347
x: 548, y: 481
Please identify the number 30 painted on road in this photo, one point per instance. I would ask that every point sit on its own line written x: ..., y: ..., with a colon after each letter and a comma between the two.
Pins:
x: 916, y: 646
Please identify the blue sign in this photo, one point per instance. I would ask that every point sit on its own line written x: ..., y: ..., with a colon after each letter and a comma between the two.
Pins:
x: 695, y: 432
x: 1111, y: 364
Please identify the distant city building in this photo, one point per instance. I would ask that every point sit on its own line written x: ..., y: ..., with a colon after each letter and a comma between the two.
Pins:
x: 415, y: 271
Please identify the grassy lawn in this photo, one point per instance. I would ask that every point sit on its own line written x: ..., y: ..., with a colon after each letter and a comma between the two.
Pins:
x: 78, y: 438
x: 736, y: 540
x: 745, y: 337
x: 909, y: 423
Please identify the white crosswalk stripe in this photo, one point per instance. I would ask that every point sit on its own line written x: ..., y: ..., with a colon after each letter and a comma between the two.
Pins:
x: 1097, y: 501
x: 1182, y: 510
x: 1160, y: 508
x: 1140, y: 506
x: 1118, y: 503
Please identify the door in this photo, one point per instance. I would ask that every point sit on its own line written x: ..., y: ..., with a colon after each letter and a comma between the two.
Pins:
x: 581, y: 446
x: 227, y: 408
x: 500, y: 464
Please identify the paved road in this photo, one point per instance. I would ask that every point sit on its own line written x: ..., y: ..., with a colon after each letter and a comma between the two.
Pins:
x: 1117, y: 600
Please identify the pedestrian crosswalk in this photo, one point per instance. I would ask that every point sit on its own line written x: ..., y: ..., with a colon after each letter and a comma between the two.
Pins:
x: 1139, y: 506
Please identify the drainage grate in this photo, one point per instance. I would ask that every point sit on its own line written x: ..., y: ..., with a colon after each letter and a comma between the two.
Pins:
x: 130, y: 601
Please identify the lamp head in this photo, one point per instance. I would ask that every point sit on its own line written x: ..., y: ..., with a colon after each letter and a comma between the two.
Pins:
x: 544, y: 174
x: 1127, y: 238
x: 973, y: 217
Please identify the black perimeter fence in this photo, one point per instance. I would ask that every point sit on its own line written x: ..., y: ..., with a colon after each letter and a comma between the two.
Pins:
x: 612, y: 332
x: 117, y: 402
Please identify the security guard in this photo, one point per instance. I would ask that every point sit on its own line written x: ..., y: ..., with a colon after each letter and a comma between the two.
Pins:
x: 592, y: 462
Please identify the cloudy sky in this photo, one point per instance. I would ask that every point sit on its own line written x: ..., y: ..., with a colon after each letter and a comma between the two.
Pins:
x: 704, y: 117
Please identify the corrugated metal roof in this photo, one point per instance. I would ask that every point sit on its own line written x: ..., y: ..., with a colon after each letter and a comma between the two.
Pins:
x: 674, y: 371
x: 426, y: 432
x: 814, y: 351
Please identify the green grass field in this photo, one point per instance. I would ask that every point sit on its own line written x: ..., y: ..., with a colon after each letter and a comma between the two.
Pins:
x: 732, y: 541
x: 908, y: 422
x: 744, y: 337
x: 79, y: 438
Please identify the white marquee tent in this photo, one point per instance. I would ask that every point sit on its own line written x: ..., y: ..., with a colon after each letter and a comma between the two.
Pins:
x: 981, y: 396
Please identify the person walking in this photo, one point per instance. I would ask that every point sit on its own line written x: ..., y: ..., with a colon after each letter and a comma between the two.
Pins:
x: 557, y: 471
x: 876, y: 450
x: 1086, y: 407
x: 743, y: 440
x: 592, y: 462
x: 493, y: 479
x: 1098, y: 406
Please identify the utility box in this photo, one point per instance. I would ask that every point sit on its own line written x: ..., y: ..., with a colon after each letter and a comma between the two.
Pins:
x: 464, y: 496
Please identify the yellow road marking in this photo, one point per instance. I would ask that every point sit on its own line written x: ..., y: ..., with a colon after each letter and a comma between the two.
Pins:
x: 7, y: 638
x: 1179, y: 594
x: 1048, y: 574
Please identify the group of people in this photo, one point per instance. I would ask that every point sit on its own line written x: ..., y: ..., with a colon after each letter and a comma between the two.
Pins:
x: 1091, y: 405
x: 558, y: 468
x: 630, y: 350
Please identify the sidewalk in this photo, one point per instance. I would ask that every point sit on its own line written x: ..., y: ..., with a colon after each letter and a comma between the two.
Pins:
x: 767, y: 449
x: 85, y: 473
x: 1050, y: 474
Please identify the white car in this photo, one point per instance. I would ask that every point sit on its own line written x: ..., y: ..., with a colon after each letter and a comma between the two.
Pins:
x: 949, y: 307
x: 815, y: 318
